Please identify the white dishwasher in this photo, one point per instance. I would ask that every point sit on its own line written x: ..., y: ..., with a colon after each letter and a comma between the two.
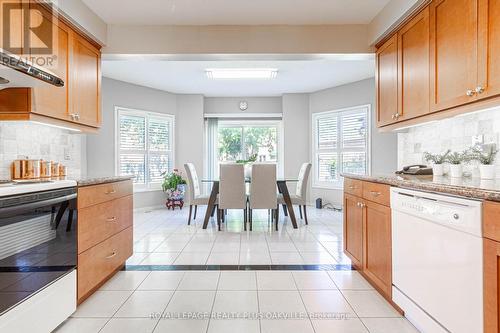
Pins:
x: 437, y: 258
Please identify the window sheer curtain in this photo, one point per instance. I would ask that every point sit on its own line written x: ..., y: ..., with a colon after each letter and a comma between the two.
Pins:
x: 211, y: 154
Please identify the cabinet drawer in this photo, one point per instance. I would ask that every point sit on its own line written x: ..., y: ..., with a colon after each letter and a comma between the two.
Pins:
x: 99, y: 222
x: 491, y: 224
x: 98, y: 262
x: 92, y: 195
x: 378, y: 193
x: 353, y: 186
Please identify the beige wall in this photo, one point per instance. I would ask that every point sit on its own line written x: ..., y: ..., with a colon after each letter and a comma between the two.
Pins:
x: 273, y: 39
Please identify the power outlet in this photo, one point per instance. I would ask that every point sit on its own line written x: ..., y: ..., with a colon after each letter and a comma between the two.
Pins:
x: 477, y: 139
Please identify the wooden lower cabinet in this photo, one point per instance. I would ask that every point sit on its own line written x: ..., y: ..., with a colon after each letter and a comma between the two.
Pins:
x: 105, y: 233
x: 353, y: 229
x: 377, y: 254
x: 491, y: 262
x: 99, y: 262
x: 367, y: 233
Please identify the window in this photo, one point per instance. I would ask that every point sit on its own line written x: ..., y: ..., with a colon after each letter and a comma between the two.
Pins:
x: 340, y: 144
x: 257, y: 140
x: 144, y: 146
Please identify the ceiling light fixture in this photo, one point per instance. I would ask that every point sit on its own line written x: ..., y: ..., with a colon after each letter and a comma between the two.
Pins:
x: 241, y: 73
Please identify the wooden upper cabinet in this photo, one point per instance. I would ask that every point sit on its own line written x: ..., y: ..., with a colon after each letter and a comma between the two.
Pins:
x: 86, y: 82
x: 387, y: 82
x: 353, y: 229
x: 50, y: 100
x: 377, y: 263
x: 454, y: 61
x: 13, y: 32
x: 488, y: 82
x: 413, y: 67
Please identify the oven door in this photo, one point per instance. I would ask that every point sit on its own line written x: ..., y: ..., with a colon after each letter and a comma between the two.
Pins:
x: 37, y: 243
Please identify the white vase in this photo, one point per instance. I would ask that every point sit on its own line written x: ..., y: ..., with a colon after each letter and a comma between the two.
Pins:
x: 248, y: 170
x: 456, y: 170
x: 438, y: 169
x: 487, y: 171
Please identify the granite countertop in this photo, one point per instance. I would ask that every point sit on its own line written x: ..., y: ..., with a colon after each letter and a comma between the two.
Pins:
x: 464, y: 187
x: 101, y: 180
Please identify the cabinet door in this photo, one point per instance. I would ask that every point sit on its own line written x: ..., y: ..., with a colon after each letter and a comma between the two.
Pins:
x: 13, y: 32
x: 413, y: 67
x: 453, y: 52
x: 353, y: 229
x: 51, y: 101
x: 489, y: 49
x: 86, y: 83
x: 377, y: 258
x: 387, y: 82
x: 491, y: 286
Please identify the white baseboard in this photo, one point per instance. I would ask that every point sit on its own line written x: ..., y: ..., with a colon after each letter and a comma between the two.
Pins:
x: 147, y: 208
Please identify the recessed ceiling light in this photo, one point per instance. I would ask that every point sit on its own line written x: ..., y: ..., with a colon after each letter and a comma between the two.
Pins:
x: 241, y: 73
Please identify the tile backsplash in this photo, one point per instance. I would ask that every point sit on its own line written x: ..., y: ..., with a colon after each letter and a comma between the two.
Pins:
x: 38, y: 141
x: 457, y: 134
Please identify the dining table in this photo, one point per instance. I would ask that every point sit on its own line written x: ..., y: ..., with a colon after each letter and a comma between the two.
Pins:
x: 282, y: 189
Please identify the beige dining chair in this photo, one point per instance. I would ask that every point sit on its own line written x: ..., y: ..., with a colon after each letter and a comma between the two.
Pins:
x: 299, y: 198
x: 263, y: 191
x: 232, y: 191
x: 195, y: 196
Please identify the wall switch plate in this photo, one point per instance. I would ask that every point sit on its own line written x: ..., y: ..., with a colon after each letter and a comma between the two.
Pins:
x: 477, y: 139
x: 67, y: 155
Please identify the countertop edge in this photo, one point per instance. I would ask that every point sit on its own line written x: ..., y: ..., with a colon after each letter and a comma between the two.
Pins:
x: 463, y: 191
x: 101, y: 180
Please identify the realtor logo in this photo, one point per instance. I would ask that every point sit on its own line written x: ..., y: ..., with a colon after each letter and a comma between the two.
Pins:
x: 26, y: 30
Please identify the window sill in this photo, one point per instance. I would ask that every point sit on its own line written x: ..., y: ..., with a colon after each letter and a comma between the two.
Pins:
x: 325, y: 187
x: 142, y: 190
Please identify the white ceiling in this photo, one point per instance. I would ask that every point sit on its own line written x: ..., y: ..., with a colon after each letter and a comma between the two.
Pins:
x: 188, y: 77
x: 236, y: 12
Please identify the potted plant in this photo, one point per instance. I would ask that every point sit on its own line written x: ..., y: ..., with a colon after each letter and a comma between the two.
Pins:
x: 455, y: 159
x: 173, y: 184
x: 486, y: 158
x: 438, y: 161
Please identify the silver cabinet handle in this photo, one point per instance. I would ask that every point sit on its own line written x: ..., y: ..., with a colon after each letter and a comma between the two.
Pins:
x: 352, y: 187
x: 470, y: 93
x: 111, y: 219
x: 77, y: 117
x: 393, y: 116
x: 375, y: 194
x: 111, y: 255
x: 479, y: 90
x: 113, y: 191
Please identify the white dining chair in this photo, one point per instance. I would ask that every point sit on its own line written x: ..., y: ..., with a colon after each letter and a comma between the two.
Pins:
x: 195, y: 196
x: 263, y: 191
x: 299, y: 198
x: 232, y: 191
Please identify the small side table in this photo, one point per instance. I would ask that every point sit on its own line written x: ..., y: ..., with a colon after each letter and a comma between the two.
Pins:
x: 174, y: 202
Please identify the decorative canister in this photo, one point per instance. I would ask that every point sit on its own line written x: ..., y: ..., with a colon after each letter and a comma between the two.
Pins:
x: 46, y: 169
x: 55, y: 169
x: 32, y: 170
x: 62, y: 170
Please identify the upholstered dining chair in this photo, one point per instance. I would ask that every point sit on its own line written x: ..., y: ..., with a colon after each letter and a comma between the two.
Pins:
x: 195, y: 196
x: 263, y: 190
x: 232, y: 190
x: 299, y: 198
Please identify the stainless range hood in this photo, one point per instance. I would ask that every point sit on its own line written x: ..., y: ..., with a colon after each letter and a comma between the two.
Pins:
x: 18, y: 72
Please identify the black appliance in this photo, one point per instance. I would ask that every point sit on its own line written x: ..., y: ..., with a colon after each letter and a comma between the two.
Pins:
x: 38, y: 243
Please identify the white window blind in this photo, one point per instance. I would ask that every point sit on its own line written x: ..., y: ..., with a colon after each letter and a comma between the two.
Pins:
x: 340, y: 144
x: 144, y: 146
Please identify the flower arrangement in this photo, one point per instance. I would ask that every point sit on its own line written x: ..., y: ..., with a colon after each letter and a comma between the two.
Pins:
x: 484, y: 157
x: 171, y: 182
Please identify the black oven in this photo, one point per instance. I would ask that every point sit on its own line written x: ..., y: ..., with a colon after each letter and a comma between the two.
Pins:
x: 37, y: 242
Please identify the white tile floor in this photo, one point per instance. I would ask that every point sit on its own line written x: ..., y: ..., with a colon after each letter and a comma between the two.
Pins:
x: 163, y: 238
x: 133, y: 301
x: 255, y: 301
